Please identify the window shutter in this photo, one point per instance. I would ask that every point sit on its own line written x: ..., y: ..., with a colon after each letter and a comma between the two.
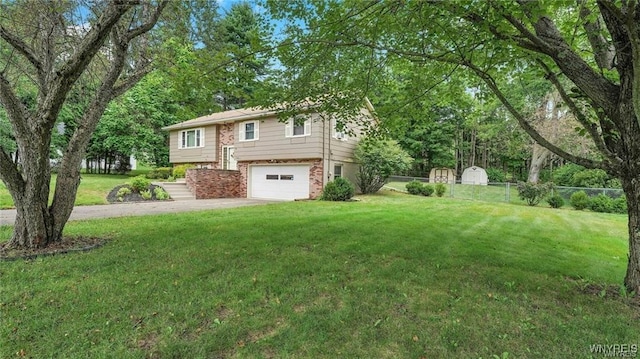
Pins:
x: 182, y: 139
x: 199, y: 138
x: 288, y: 128
x: 307, y: 127
x: 256, y: 131
x: 334, y: 131
x: 241, y: 131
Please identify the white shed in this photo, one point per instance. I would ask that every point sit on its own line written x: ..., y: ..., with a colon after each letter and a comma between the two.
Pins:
x: 442, y: 175
x: 475, y: 175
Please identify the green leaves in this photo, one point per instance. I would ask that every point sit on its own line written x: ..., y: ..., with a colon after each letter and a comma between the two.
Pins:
x: 379, y: 159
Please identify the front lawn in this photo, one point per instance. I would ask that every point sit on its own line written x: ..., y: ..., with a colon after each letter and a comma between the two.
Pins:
x: 93, y: 189
x: 390, y: 276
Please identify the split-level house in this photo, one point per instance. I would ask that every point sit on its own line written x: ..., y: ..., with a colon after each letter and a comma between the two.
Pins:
x: 253, y: 153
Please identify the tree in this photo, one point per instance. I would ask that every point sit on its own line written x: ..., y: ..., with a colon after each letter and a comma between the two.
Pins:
x: 59, y: 48
x: 589, y: 51
x: 132, y: 124
x: 212, y: 57
x: 378, y: 159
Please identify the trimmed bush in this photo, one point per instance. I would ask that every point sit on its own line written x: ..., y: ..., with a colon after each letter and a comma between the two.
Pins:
x: 555, y: 201
x: 427, y: 190
x: 601, y: 203
x: 180, y: 170
x: 414, y: 187
x: 533, y: 193
x: 340, y: 189
x: 160, y: 173
x: 123, y: 191
x: 146, y: 194
x: 579, y: 200
x: 440, y: 189
x: 140, y: 183
x: 160, y: 193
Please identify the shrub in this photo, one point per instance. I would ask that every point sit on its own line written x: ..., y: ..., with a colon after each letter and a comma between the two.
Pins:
x: 160, y: 193
x: 146, y: 194
x: 123, y: 191
x: 440, y: 189
x: 496, y: 175
x: 595, y: 178
x: 378, y: 159
x: 555, y: 201
x: 563, y: 176
x: 620, y: 205
x: 601, y: 203
x: 533, y: 193
x: 160, y: 173
x: 340, y: 189
x: 426, y: 190
x: 180, y: 170
x: 140, y: 183
x: 579, y: 200
x: 414, y: 187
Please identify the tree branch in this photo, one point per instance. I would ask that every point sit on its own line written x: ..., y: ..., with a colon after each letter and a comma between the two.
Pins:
x: 591, y: 127
x: 127, y: 83
x: 15, y: 109
x: 603, y: 52
x: 149, y: 24
x: 25, y: 50
x: 10, y: 175
x: 526, y: 126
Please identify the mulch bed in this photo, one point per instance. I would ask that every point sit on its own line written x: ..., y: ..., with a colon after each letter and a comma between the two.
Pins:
x: 67, y: 245
x: 112, y: 197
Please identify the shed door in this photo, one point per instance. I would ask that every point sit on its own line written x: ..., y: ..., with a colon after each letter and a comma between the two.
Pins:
x: 287, y: 182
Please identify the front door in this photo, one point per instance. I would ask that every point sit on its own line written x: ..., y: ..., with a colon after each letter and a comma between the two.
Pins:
x: 228, y: 161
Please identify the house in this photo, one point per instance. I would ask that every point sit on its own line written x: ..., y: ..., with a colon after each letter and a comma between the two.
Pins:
x: 252, y: 153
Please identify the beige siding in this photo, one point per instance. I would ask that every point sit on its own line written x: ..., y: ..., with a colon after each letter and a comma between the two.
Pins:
x: 273, y: 145
x: 342, y: 150
x: 208, y: 153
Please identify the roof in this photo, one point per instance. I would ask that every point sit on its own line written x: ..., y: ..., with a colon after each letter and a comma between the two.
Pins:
x: 243, y: 114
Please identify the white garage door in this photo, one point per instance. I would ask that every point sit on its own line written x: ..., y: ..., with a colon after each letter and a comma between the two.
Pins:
x: 279, y: 182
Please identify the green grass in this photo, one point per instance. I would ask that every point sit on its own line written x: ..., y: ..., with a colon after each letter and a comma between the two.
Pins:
x: 390, y: 276
x: 93, y: 189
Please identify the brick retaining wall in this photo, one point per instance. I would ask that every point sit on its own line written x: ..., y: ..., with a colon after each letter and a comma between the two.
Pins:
x: 213, y: 183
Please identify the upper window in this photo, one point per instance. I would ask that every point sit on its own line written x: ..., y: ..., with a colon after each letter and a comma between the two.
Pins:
x: 297, y: 128
x: 249, y: 131
x: 339, y: 130
x: 191, y: 138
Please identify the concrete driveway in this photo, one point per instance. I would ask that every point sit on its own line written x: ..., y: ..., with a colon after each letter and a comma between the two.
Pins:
x: 8, y: 216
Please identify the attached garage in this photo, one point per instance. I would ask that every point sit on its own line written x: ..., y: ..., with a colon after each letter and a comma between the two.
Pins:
x: 287, y: 182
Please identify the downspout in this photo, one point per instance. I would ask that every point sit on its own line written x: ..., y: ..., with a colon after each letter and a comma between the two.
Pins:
x: 324, y: 166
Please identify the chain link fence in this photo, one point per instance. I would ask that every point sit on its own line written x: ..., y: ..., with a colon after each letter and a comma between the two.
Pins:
x: 497, y: 191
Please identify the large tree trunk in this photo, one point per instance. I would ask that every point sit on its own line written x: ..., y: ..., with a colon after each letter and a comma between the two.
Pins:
x: 539, y: 156
x: 632, y: 191
x: 39, y: 224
